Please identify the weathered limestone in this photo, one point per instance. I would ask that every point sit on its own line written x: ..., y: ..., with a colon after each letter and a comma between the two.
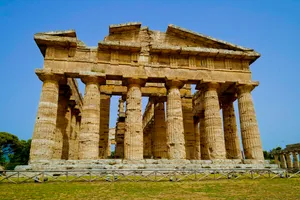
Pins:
x: 203, y: 138
x: 90, y: 120
x: 213, y: 123
x: 133, y: 140
x: 175, y: 129
x: 249, y: 128
x: 104, y: 124
x: 43, y: 139
x: 188, y: 123
x: 232, y: 142
x: 66, y: 135
x: 61, y: 125
x: 197, y: 149
x: 120, y: 131
x: 289, y: 160
x: 296, y: 160
x: 132, y: 62
x: 283, y: 161
x: 159, y: 139
x: 73, y: 141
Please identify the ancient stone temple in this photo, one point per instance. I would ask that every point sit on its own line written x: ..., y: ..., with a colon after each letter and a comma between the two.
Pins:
x: 134, y: 62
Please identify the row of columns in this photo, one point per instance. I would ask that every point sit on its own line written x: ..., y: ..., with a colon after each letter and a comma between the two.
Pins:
x: 212, y: 141
x: 284, y: 160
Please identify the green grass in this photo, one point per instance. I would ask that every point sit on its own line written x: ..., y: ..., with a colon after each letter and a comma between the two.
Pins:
x: 210, y: 189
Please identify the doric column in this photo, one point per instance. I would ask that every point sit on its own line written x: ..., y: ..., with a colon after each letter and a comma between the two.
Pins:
x: 213, y: 122
x: 188, y: 124
x: 175, y: 129
x: 90, y: 119
x: 43, y: 139
x: 133, y: 140
x: 203, y: 138
x: 289, y: 160
x: 120, y: 131
x: 159, y: 139
x: 296, y: 160
x: 282, y: 161
x: 77, y: 134
x: 73, y: 148
x: 249, y: 128
x: 232, y: 142
x: 104, y: 124
x: 276, y: 157
x: 197, y: 149
x: 61, y: 124
x: 66, y: 135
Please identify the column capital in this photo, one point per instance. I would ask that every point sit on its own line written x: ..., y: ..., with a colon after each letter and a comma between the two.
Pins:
x: 49, y: 76
x: 245, y: 88
x: 227, y: 98
x: 174, y: 83
x: 93, y: 79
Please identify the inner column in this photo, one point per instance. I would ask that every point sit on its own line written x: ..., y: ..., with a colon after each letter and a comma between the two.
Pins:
x: 159, y: 138
x: 232, y: 142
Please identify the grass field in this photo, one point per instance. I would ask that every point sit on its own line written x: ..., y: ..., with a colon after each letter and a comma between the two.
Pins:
x: 211, y: 189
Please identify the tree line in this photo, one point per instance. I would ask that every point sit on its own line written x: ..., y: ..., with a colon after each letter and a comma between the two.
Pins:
x: 13, y: 151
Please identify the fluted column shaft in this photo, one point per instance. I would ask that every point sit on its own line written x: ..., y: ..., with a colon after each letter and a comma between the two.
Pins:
x: 175, y: 129
x: 213, y: 123
x: 289, y: 160
x: 296, y: 160
x: 249, y: 128
x: 66, y: 135
x: 73, y: 148
x: 120, y: 131
x: 43, y: 138
x: 197, y: 149
x: 61, y: 126
x: 188, y: 124
x: 90, y: 120
x: 232, y: 142
x: 104, y: 125
x: 282, y: 161
x: 203, y: 138
x: 159, y: 139
x: 133, y: 140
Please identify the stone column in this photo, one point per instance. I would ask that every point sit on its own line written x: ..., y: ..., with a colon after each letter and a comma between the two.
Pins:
x: 249, y: 127
x: 289, y: 160
x: 188, y: 124
x: 66, y: 135
x: 213, y: 123
x: 282, y: 161
x: 73, y: 148
x: 120, y: 131
x: 133, y: 140
x: 104, y: 124
x: 197, y: 151
x: 175, y: 128
x: 77, y: 134
x: 61, y: 124
x: 232, y: 142
x: 203, y: 138
x: 90, y: 119
x: 277, y: 159
x: 159, y: 139
x: 296, y: 160
x: 43, y: 139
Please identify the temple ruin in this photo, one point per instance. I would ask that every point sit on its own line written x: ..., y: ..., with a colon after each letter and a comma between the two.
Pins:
x: 134, y: 62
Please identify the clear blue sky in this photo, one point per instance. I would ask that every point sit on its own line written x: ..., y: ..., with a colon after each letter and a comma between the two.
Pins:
x: 270, y: 27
